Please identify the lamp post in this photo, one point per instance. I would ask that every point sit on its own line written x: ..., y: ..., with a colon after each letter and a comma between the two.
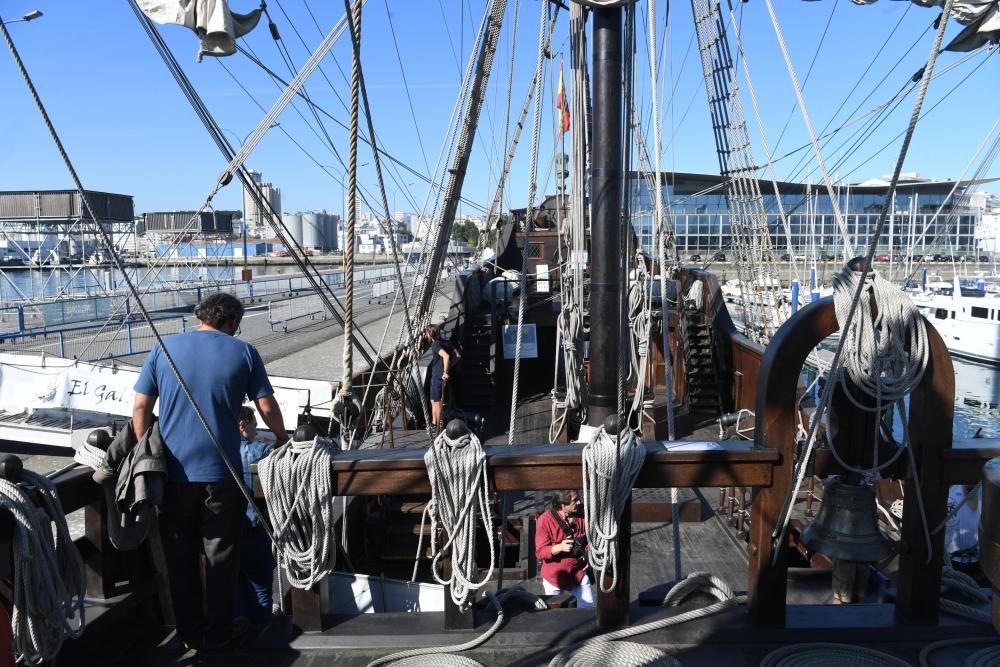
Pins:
x: 30, y: 16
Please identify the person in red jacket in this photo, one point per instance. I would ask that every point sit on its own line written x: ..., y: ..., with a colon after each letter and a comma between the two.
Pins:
x: 560, y: 544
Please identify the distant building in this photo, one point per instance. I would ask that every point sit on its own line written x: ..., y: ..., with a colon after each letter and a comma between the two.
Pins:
x: 52, y: 226
x: 699, y: 211
x: 254, y: 218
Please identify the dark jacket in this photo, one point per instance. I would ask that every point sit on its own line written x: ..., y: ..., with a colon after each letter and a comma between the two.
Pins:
x: 138, y: 471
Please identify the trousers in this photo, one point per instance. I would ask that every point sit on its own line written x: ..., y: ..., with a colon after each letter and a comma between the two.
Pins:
x: 584, y: 592
x: 202, y: 521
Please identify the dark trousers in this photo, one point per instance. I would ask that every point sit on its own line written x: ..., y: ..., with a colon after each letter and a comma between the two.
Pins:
x: 202, y: 519
x: 256, y: 574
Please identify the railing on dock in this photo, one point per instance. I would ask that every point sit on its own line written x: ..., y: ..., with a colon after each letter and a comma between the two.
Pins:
x: 97, y: 342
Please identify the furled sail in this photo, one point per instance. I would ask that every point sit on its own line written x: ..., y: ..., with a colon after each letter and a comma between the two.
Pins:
x: 981, y: 19
x: 217, y: 27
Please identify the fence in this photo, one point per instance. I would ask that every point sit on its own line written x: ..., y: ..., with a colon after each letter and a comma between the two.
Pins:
x: 284, y: 311
x: 39, y: 315
x: 94, y: 342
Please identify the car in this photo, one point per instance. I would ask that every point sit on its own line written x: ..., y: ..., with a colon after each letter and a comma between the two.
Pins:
x: 694, y: 258
x: 786, y: 257
x: 884, y: 257
x: 719, y: 257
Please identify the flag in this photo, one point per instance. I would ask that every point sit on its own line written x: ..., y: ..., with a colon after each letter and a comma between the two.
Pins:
x: 561, y: 103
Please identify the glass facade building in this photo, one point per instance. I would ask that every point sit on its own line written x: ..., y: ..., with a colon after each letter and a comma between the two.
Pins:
x: 698, y: 208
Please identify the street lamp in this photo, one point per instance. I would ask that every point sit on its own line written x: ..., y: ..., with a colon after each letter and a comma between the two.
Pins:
x: 30, y: 16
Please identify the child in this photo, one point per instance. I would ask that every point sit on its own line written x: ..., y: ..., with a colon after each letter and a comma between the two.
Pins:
x: 253, y: 599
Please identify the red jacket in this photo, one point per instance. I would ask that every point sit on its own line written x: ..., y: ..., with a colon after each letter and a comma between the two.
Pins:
x: 560, y: 570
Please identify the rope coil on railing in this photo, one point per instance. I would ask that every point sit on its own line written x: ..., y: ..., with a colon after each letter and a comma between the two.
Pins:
x: 298, y: 487
x: 459, y: 493
x: 49, y: 580
x: 610, y: 466
x: 828, y: 653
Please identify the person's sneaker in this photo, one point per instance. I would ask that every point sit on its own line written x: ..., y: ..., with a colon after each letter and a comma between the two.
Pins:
x: 173, y: 645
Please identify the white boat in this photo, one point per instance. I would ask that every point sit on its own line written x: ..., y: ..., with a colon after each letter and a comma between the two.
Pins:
x: 969, y: 325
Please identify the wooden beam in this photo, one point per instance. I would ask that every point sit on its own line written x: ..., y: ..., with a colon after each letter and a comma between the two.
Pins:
x: 540, y: 467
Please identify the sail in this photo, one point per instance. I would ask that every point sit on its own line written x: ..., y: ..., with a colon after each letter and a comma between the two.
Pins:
x: 981, y: 19
x: 216, y: 26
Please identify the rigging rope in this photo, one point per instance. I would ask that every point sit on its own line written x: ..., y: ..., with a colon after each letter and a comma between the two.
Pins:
x: 346, y: 410
x: 522, y: 299
x: 610, y: 466
x: 298, y: 488
x: 459, y: 494
x: 827, y: 653
x: 49, y: 577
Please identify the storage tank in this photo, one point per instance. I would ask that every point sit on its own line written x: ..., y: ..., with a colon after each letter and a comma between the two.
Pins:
x: 312, y: 230
x: 331, y: 233
x: 293, y: 223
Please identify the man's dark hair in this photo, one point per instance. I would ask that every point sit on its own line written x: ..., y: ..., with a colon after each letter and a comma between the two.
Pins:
x: 246, y: 413
x: 560, y: 498
x: 219, y: 309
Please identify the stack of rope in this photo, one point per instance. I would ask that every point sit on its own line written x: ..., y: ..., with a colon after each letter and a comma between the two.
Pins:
x: 456, y: 467
x: 610, y: 466
x: 298, y: 486
x: 49, y: 579
x: 607, y: 649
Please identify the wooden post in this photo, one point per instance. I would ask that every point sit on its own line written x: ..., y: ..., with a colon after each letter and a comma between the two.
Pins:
x: 777, y: 386
x: 102, y: 556
x: 612, y: 607
x: 456, y: 617
x: 307, y: 608
x: 932, y: 407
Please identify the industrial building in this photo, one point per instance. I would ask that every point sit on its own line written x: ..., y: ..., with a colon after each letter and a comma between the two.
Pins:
x: 54, y: 226
x: 255, y: 219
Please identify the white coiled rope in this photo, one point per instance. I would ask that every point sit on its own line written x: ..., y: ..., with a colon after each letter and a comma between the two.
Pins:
x: 884, y: 354
x: 828, y: 654
x: 610, y: 466
x: 459, y: 493
x: 606, y: 649
x: 298, y: 487
x: 49, y: 578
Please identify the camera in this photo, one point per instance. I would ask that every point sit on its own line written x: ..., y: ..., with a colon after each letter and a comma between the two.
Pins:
x: 579, y: 547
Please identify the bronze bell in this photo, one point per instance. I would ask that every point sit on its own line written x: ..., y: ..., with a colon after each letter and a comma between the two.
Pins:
x: 847, y: 524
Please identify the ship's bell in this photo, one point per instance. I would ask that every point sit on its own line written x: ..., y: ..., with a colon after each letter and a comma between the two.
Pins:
x: 847, y: 524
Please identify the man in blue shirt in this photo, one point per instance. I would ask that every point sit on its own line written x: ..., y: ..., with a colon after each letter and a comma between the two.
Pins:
x: 203, y: 506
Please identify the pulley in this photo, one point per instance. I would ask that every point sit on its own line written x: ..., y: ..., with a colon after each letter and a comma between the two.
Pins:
x: 847, y: 524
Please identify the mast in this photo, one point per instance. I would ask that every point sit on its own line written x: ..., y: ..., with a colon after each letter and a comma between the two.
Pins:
x: 606, y: 218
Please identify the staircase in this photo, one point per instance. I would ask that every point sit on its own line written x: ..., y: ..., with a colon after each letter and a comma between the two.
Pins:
x: 699, y: 363
x: 475, y: 385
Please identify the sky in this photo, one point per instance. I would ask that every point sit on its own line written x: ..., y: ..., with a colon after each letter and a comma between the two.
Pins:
x: 129, y: 129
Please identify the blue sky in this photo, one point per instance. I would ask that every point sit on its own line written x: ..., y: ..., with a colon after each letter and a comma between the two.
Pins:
x: 129, y: 129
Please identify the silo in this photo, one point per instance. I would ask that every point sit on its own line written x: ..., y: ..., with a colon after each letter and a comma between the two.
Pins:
x: 331, y: 233
x: 293, y: 223
x: 312, y: 230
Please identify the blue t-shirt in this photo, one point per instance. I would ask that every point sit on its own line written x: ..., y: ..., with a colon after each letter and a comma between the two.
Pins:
x: 221, y: 371
x: 251, y: 452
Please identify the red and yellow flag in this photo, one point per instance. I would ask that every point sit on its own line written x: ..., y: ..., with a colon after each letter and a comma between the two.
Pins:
x: 561, y: 102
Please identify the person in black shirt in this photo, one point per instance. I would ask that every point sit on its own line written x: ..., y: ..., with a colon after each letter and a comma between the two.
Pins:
x: 440, y: 361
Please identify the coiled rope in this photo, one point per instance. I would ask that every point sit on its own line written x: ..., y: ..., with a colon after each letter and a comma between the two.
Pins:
x: 981, y: 658
x: 298, y: 487
x: 49, y: 578
x: 885, y: 354
x: 827, y: 653
x: 606, y: 649
x: 459, y: 493
x: 610, y: 466
x: 960, y: 582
